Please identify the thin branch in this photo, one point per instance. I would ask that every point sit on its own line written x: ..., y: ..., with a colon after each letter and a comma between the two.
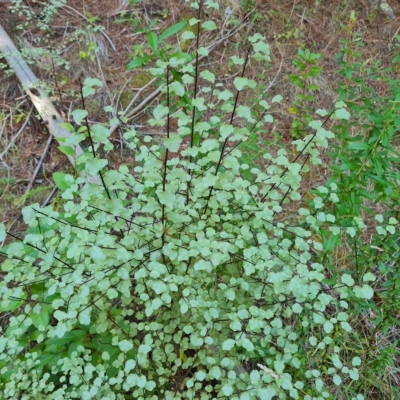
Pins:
x: 49, y: 198
x: 227, y: 138
x: 196, y: 76
x: 279, y: 70
x: 92, y: 143
x: 46, y: 149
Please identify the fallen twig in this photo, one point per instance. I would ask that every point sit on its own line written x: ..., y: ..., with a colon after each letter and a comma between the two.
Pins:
x: 46, y: 149
x: 51, y: 195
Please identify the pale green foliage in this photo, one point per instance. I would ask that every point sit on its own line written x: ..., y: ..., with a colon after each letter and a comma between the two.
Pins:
x: 164, y: 281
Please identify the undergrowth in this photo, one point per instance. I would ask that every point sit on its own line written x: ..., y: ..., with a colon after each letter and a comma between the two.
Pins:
x: 199, y: 272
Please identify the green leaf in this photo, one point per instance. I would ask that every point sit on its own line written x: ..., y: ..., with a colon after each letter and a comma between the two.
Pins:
x: 11, y: 305
x: 341, y: 113
x: 244, y: 112
x: 378, y: 167
x: 297, y: 81
x: 351, y: 231
x: 87, y: 91
x: 182, y: 55
x: 187, y: 35
x: 152, y: 40
x: 167, y: 198
x: 173, y: 30
x: 94, y: 165
x: 112, y: 293
x: 202, y: 265
x: 42, y: 318
x: 69, y: 151
x: 44, y: 359
x: 92, y: 82
x: 68, y: 127
x: 228, y: 344
x: 173, y: 142
x: 79, y: 115
x: 226, y: 130
x: 3, y: 232
x: 237, y: 61
x: 227, y: 390
x: 68, y: 337
x: 207, y: 75
x: 328, y: 326
x: 330, y: 242
x: 337, y: 380
x: 359, y: 146
x: 144, y: 349
x: 177, y: 88
x: 369, y: 277
x: 212, y: 4
x: 364, y: 292
x: 277, y: 99
x: 138, y: 62
x: 125, y: 345
x: 347, y: 280
x: 193, y: 21
x: 209, y: 25
x: 60, y: 181
x: 99, y: 133
x: 160, y: 111
x: 356, y: 361
x: 241, y: 83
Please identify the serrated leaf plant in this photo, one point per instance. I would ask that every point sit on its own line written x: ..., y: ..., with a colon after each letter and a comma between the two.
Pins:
x: 307, y: 70
x: 363, y: 199
x: 176, y: 277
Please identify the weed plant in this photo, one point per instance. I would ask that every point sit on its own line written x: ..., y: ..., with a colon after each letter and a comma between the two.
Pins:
x: 178, y: 277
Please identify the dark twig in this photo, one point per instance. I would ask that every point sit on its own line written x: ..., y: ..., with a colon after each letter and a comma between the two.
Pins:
x: 227, y: 138
x: 91, y: 140
x: 39, y: 165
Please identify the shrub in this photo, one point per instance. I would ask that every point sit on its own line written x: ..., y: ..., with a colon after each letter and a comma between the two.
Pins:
x: 194, y: 275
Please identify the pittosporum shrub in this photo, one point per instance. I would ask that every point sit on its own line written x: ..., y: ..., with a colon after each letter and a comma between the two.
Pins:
x: 182, y: 276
